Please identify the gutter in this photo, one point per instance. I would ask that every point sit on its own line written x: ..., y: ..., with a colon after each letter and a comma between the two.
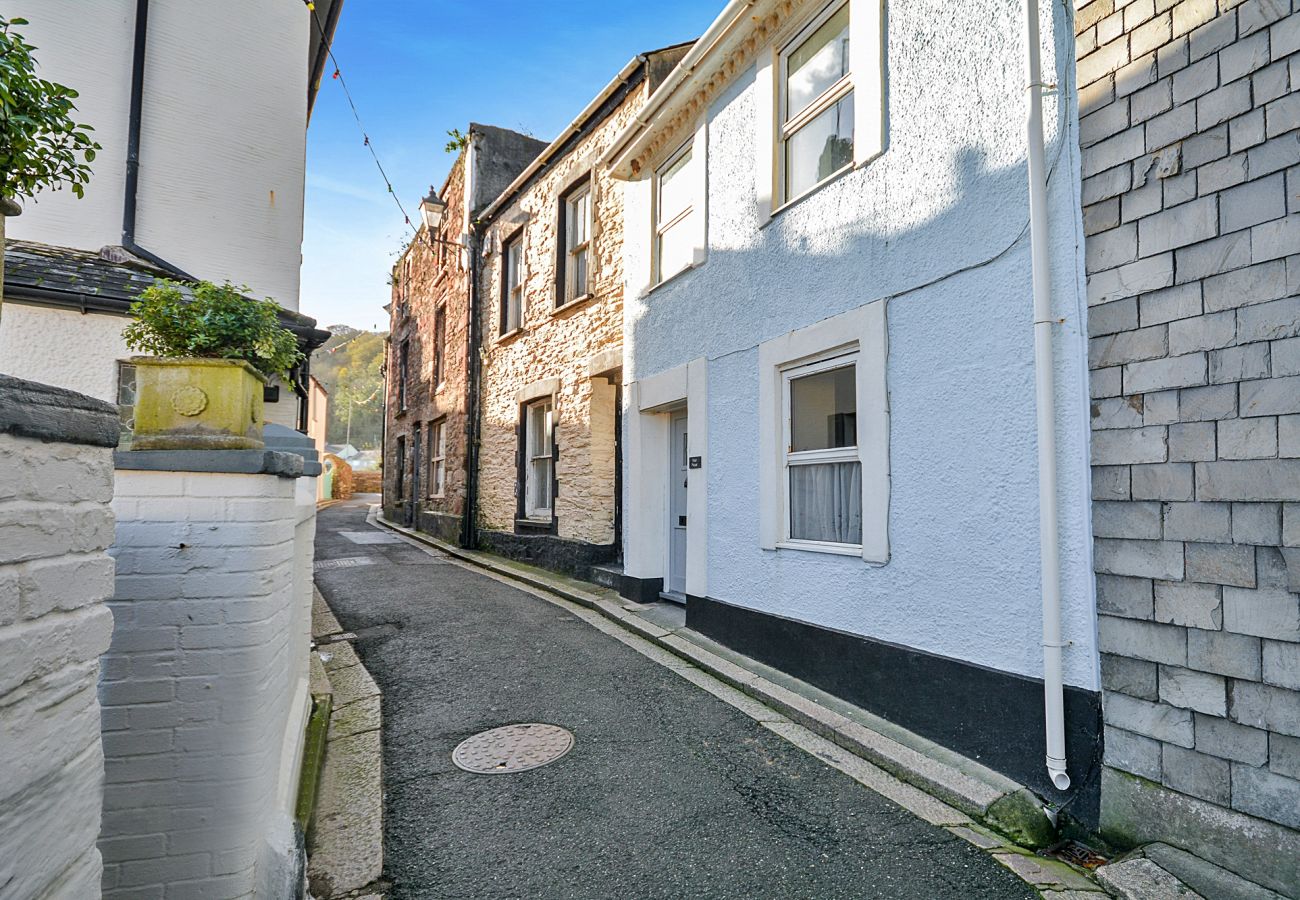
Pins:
x: 552, y: 150
x: 326, y: 35
x: 630, y: 138
x: 1045, y: 396
x: 133, y: 147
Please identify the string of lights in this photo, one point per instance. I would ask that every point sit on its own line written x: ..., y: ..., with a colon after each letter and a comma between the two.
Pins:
x: 338, y: 76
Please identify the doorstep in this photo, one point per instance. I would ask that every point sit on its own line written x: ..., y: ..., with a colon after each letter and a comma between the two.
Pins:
x: 963, y: 797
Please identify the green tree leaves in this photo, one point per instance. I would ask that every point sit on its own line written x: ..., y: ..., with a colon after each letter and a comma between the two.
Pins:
x: 216, y: 322
x: 41, y: 147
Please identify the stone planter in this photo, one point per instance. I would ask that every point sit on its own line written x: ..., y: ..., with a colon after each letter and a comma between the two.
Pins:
x: 197, y: 404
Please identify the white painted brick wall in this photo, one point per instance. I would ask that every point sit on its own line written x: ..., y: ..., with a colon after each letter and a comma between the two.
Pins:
x: 55, y: 525
x: 204, y: 681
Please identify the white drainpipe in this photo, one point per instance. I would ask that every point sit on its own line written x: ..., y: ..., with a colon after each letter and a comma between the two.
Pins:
x: 1048, y: 536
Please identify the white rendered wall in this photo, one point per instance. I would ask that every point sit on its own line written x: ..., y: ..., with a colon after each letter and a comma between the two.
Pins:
x: 938, y: 225
x: 55, y: 525
x: 223, y: 138
x: 203, y: 683
x: 63, y: 348
x: 80, y: 352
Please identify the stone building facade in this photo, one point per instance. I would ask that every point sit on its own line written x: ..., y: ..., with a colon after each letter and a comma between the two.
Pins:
x: 551, y: 318
x: 428, y: 368
x: 1191, y: 192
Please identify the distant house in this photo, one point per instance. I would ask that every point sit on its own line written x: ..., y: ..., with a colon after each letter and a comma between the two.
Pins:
x: 172, y: 196
x: 551, y: 326
x: 428, y: 405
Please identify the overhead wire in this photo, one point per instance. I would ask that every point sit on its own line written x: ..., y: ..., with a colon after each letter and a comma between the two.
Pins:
x: 338, y: 76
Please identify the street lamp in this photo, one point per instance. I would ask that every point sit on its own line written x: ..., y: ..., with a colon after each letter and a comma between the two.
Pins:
x: 432, y: 209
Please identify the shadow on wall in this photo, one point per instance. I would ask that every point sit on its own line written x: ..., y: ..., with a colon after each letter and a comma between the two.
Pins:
x: 963, y: 580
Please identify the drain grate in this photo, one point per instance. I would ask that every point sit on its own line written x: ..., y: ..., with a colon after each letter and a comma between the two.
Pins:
x: 345, y: 563
x: 1078, y: 854
x: 512, y: 748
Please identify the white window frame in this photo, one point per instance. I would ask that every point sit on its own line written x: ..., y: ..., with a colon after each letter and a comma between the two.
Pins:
x: 837, y: 359
x: 828, y: 98
x: 866, y: 79
x: 438, y: 458
x: 515, y: 291
x: 573, y: 250
x: 860, y: 331
x: 531, y: 454
x: 683, y: 219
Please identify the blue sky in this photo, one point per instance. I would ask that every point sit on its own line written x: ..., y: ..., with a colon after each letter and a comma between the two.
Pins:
x: 419, y: 67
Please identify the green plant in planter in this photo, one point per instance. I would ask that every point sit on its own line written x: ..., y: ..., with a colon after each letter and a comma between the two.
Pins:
x: 216, y: 323
x: 211, y: 354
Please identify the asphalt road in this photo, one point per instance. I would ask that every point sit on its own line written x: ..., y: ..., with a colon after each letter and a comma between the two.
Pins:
x: 668, y: 792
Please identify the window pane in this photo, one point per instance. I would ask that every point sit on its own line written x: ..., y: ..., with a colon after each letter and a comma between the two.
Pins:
x: 817, y: 63
x: 577, y: 224
x: 823, y: 410
x: 540, y: 484
x: 676, y: 249
x: 826, y: 503
x: 513, y: 255
x: 579, y: 274
x: 819, y: 149
x: 675, y: 189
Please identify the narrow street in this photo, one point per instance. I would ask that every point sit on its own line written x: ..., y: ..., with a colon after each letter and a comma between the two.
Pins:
x: 668, y: 791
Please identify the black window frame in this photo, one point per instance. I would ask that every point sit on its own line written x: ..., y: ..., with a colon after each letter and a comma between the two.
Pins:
x: 516, y: 237
x: 439, y: 344
x: 586, y: 182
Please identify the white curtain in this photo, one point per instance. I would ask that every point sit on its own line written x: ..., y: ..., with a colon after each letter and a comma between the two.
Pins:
x: 826, y: 502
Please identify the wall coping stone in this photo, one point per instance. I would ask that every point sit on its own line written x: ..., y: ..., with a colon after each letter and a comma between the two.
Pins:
x: 285, y: 440
x: 236, y: 462
x: 47, y: 413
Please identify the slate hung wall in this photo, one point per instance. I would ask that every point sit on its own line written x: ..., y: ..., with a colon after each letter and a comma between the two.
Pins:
x: 1191, y: 192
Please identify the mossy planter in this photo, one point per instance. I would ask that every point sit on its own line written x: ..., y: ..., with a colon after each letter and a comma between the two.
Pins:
x: 197, y: 404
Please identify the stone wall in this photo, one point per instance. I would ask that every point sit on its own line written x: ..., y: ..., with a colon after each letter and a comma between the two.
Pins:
x: 55, y: 524
x: 1191, y: 197
x: 204, y: 687
x: 579, y: 343
x: 425, y: 279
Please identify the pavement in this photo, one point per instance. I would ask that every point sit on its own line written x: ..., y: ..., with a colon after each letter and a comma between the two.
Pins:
x: 668, y: 792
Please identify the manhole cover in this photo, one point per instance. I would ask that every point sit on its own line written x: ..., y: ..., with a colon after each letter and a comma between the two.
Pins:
x: 345, y: 563
x: 512, y: 748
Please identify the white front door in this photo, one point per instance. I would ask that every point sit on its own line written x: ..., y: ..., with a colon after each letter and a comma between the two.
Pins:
x: 678, y: 477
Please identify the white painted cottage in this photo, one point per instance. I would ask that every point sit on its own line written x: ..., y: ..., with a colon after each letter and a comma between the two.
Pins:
x: 831, y: 439
x: 202, y: 112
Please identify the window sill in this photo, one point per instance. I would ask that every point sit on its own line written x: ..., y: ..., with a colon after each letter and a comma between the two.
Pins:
x: 571, y: 305
x: 535, y: 526
x: 508, y: 336
x: 673, y: 277
x: 820, y: 547
x: 816, y: 188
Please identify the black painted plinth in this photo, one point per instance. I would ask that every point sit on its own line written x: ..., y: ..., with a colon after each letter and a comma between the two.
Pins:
x: 991, y: 716
x: 568, y: 557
